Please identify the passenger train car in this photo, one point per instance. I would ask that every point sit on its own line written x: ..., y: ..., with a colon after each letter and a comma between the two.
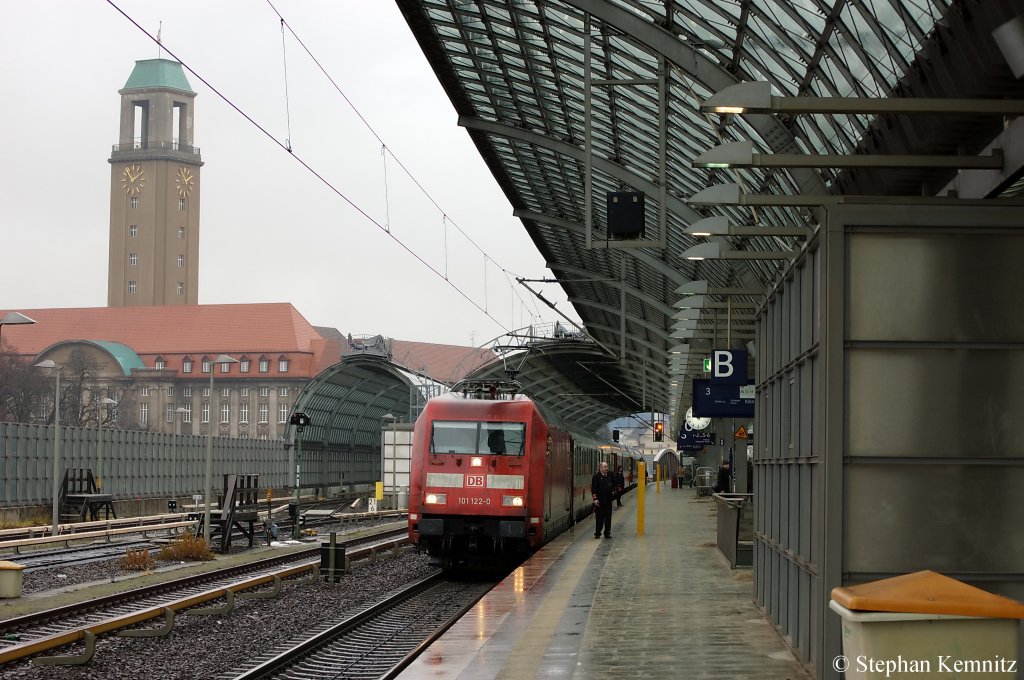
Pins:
x: 490, y: 479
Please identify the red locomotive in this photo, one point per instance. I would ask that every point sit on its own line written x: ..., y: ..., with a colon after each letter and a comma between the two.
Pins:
x: 491, y: 479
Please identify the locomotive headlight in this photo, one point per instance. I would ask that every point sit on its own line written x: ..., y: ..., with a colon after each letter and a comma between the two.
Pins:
x: 476, y: 461
x: 512, y: 501
x: 436, y: 498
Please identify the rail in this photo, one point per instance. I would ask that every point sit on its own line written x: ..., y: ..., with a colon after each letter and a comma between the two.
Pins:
x: 66, y: 539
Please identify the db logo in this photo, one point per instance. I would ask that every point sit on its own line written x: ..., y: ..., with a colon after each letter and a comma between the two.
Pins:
x: 474, y: 480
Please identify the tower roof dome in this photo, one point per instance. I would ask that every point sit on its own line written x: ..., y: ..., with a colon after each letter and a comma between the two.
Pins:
x: 162, y: 73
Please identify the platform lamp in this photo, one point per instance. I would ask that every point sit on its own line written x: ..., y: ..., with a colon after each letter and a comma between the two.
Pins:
x: 718, y: 251
x: 221, y: 359
x: 757, y: 97
x: 722, y: 226
x: 49, y: 363
x: 742, y: 155
x: 105, y: 401
x: 13, y: 319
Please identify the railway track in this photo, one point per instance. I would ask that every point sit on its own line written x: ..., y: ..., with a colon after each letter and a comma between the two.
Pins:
x: 377, y: 642
x: 36, y: 633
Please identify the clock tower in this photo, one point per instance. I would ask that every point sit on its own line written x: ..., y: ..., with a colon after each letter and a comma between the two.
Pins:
x: 154, y: 191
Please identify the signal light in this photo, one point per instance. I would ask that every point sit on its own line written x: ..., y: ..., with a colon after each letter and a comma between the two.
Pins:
x: 615, y: 436
x: 659, y: 431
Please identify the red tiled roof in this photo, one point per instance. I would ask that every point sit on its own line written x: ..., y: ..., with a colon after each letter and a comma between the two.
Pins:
x: 253, y: 330
x: 272, y: 329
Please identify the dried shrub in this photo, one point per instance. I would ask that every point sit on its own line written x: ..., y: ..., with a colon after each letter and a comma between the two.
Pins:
x: 187, y: 548
x: 137, y: 560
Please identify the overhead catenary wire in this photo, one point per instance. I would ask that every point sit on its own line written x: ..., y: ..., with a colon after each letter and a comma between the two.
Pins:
x: 287, y: 105
x: 307, y: 166
x: 385, y: 148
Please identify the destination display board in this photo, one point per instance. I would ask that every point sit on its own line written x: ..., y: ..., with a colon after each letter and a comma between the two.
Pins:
x: 711, y: 400
x: 694, y: 440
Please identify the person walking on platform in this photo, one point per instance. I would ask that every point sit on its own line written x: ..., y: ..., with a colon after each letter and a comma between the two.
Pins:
x: 724, y: 482
x: 620, y: 485
x: 602, y: 487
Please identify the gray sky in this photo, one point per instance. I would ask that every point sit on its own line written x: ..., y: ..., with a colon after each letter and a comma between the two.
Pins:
x: 270, y: 230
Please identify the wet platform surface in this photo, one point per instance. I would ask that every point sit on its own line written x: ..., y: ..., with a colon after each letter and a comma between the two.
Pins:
x: 662, y: 605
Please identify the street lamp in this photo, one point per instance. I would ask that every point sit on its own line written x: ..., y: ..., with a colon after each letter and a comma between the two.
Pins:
x: 49, y: 363
x: 221, y: 359
x: 105, y: 401
x: 174, y: 453
x: 13, y: 319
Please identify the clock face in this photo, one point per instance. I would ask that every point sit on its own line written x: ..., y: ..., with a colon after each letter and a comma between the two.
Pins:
x: 185, y: 180
x: 133, y: 177
x: 696, y: 423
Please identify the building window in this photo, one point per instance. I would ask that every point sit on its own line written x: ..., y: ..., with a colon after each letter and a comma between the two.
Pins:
x: 207, y: 365
x: 264, y: 365
x: 133, y: 202
x: 186, y: 391
x: 181, y: 206
x: 186, y: 366
x: 243, y: 366
x: 282, y: 365
x: 264, y: 413
x: 243, y: 412
x: 145, y: 391
x: 160, y: 364
x: 283, y: 413
x: 245, y: 393
x: 206, y: 412
x: 133, y: 231
x: 225, y: 392
x: 186, y: 417
x: 225, y: 413
x: 225, y: 367
x: 181, y: 288
x: 131, y: 288
x: 181, y: 233
x: 170, y: 413
x: 264, y: 391
x: 282, y: 391
x: 133, y: 259
x: 143, y: 414
x: 181, y: 261
x: 206, y: 393
x: 170, y: 391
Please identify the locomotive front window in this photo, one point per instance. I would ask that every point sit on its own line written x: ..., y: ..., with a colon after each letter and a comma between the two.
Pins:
x: 476, y: 438
x: 506, y: 438
x: 453, y: 437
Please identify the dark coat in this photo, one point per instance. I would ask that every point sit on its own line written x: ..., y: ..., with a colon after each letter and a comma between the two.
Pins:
x: 620, y: 480
x: 603, y: 487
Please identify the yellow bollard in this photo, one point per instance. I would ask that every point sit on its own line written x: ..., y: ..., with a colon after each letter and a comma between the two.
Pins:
x: 641, y: 488
x: 657, y: 479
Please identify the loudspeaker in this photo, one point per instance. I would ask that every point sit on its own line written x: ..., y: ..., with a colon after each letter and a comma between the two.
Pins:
x: 626, y: 214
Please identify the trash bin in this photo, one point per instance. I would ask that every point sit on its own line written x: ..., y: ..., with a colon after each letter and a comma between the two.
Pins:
x: 10, y: 579
x: 925, y: 623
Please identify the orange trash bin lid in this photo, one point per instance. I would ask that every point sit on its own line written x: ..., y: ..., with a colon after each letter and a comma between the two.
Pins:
x: 927, y: 592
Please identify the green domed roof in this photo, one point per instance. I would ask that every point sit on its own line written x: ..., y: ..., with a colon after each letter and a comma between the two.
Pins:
x: 150, y: 73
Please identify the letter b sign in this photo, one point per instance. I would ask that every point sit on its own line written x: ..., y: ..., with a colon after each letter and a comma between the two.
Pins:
x: 729, y: 367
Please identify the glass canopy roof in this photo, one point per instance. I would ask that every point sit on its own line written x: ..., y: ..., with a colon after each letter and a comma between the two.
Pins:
x: 538, y: 83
